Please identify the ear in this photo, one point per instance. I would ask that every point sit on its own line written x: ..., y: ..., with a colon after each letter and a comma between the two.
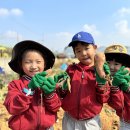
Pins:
x: 95, y: 47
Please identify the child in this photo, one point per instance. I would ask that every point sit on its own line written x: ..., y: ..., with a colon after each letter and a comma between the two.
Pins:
x: 31, y: 100
x: 84, y: 102
x: 118, y: 60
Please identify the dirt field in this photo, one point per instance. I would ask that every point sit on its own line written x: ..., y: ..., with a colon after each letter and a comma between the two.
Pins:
x: 109, y: 119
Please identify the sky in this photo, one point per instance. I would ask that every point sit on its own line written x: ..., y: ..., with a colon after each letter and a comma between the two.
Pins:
x: 54, y: 22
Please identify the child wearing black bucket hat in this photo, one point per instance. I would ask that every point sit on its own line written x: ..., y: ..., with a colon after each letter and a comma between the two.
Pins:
x: 118, y: 61
x: 31, y: 99
x: 84, y: 102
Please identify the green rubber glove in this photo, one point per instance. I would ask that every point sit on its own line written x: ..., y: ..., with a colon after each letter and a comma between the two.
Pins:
x: 106, y: 68
x: 48, y: 86
x: 102, y: 81
x: 61, y: 78
x: 37, y: 80
x: 122, y: 79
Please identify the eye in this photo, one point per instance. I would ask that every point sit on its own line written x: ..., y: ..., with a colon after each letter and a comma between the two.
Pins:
x: 38, y: 62
x: 117, y: 64
x: 86, y: 48
x: 27, y: 62
x: 77, y: 51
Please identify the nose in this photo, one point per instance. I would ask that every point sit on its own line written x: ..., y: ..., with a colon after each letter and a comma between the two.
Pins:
x: 33, y: 65
x: 112, y: 67
x: 84, y: 52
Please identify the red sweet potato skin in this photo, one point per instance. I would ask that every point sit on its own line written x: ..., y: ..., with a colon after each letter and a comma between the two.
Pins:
x: 99, y: 61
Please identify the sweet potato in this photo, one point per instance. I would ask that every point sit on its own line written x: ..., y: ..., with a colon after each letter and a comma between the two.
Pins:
x: 68, y: 83
x: 49, y: 72
x: 60, y: 83
x: 99, y: 61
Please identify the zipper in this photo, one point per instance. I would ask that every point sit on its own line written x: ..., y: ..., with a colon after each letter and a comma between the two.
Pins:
x: 82, y: 77
x: 83, y: 74
x: 40, y: 104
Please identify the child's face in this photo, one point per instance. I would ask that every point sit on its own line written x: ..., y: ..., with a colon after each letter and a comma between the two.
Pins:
x: 32, y: 63
x: 114, y: 66
x: 85, y: 53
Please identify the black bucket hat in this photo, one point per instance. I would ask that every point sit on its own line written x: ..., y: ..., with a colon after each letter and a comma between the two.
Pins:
x: 22, y: 46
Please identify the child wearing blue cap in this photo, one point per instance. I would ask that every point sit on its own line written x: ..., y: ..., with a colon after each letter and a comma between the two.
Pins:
x: 84, y: 102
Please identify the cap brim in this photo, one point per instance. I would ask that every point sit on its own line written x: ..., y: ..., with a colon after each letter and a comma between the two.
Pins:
x: 73, y: 42
x: 124, y: 58
x: 20, y: 47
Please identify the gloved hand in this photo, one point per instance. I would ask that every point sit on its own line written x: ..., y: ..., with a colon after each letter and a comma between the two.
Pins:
x: 102, y: 81
x: 122, y: 79
x: 48, y: 86
x: 37, y: 80
x: 62, y: 78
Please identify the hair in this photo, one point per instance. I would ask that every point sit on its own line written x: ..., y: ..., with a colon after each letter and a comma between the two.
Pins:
x: 117, y: 59
x: 23, y: 53
x: 76, y: 43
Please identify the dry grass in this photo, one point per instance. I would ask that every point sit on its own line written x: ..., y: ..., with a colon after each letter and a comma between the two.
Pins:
x: 4, y: 64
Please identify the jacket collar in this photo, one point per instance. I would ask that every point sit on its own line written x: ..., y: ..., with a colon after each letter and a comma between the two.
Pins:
x: 84, y: 67
x: 27, y: 77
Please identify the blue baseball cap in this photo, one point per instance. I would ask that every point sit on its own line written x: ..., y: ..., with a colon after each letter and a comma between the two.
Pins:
x: 82, y: 37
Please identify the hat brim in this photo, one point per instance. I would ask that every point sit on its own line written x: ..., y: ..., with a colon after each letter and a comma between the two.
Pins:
x: 20, y: 47
x: 121, y: 57
x: 73, y: 42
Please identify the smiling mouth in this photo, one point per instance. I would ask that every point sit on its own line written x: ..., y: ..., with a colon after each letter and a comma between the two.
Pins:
x: 34, y: 71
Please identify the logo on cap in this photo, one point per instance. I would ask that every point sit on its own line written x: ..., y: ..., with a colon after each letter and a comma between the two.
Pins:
x: 79, y: 36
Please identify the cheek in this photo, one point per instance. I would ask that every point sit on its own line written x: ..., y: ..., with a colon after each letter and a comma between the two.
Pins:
x: 76, y: 55
x: 91, y: 53
x: 117, y: 68
x: 42, y: 67
x: 25, y: 67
